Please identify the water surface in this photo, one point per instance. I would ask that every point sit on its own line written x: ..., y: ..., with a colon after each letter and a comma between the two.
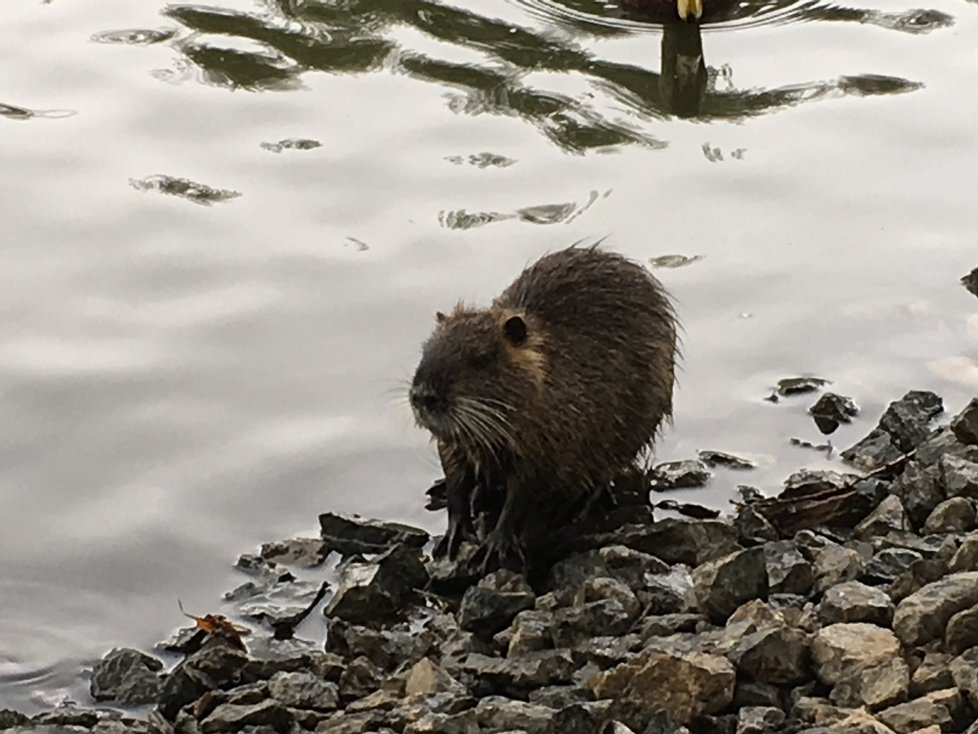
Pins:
x: 227, y: 228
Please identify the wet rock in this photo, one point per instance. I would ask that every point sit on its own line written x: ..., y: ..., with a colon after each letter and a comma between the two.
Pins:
x: 663, y: 625
x: 875, y: 688
x: 678, y: 540
x: 799, y: 385
x: 943, y: 708
x: 877, y: 449
x: 965, y: 424
x: 965, y: 557
x: 380, y: 588
x: 383, y: 647
x: 888, y: 516
x: 67, y: 715
x: 490, y: 606
x: 10, y: 718
x: 831, y: 410
x: 903, y: 426
x: 517, y: 675
x: 760, y: 720
x: 853, y: 601
x: 684, y: 685
x: 932, y: 674
x: 958, y: 477
x: 299, y: 552
x: 839, y: 650
x: 810, y: 481
x: 835, y: 564
x: 614, y: 561
x: 427, y: 679
x: 788, y: 571
x: 725, y: 460
x: 920, y: 488
x: 726, y: 583
x: 217, y: 664
x: 753, y: 528
x: 495, y: 713
x: 303, y: 690
x: 970, y: 281
x: 777, y: 655
x: 923, y: 615
x: 277, y: 603
x: 127, y: 677
x: 350, y: 534
x: 956, y: 515
x: 686, y: 474
x: 889, y: 564
x: 234, y: 718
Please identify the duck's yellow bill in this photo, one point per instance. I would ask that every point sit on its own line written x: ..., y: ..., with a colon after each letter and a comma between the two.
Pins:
x: 687, y: 8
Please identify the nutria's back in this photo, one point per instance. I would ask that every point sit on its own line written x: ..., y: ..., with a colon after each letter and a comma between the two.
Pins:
x: 563, y: 379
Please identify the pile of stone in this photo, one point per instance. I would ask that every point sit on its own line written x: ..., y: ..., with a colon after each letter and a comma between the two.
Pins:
x: 677, y: 626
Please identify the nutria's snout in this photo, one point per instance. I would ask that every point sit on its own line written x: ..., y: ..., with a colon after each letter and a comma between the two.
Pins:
x: 430, y: 405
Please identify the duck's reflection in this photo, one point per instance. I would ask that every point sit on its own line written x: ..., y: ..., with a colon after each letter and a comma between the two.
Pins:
x: 509, y: 67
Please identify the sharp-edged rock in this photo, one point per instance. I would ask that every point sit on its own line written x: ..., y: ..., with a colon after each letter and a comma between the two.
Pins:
x: 491, y: 605
x: 378, y: 589
x: 839, y: 650
x: 924, y: 615
x: 724, y: 584
x: 127, y: 677
x: 853, y: 601
x: 350, y: 534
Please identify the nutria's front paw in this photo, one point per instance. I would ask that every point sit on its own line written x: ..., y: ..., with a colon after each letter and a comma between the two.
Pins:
x: 500, y: 550
x: 459, y: 531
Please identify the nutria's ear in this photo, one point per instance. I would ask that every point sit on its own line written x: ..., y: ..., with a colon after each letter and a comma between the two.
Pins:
x: 515, y: 329
x: 440, y: 317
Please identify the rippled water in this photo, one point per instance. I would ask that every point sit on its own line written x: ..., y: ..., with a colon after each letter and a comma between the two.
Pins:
x: 226, y: 228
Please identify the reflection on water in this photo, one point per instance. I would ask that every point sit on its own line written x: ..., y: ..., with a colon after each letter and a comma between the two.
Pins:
x: 513, y: 65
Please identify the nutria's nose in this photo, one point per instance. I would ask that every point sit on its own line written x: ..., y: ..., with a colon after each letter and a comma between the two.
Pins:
x: 424, y: 398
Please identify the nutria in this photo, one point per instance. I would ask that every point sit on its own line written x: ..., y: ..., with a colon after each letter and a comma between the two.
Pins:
x: 548, y: 393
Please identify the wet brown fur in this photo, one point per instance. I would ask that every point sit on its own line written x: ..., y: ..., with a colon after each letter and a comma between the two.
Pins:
x: 587, y: 390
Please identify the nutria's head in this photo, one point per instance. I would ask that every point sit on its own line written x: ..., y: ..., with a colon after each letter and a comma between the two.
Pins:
x: 477, y: 369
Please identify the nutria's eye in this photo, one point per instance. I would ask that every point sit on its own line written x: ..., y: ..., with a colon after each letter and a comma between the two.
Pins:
x: 483, y: 360
x: 515, y: 329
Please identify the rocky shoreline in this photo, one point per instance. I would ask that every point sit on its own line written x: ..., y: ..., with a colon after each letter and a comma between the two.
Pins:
x: 846, y: 605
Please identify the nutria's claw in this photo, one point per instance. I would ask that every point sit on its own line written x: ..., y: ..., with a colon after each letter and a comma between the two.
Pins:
x: 457, y: 533
x: 499, y: 551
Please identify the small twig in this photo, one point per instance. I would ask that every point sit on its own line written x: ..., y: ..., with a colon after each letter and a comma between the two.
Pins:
x: 899, y: 461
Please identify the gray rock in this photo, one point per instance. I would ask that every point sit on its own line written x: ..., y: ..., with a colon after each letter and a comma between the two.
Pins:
x: 663, y: 625
x: 686, y: 474
x: 752, y: 693
x: 955, y: 515
x: 127, y: 677
x: 962, y: 631
x: 283, y: 660
x: 923, y: 615
x: 965, y: 424
x: 725, y: 460
x: 932, y: 674
x: 230, y: 717
x: 302, y: 690
x: 612, y: 561
x: 944, y: 708
x: 966, y: 556
x: 217, y: 664
x: 835, y: 564
x: 380, y: 588
x: 464, y: 722
x: 491, y: 605
x: 889, y: 564
x: 853, y: 601
x: 10, y: 718
x: 360, y: 678
x: 668, y: 593
x: 839, y: 650
x: 529, y: 632
x: 386, y: 648
x: 580, y: 718
x: 788, y: 571
x: 350, y: 534
x: 724, y: 584
x: 299, y: 552
x: 889, y: 515
x: 516, y: 675
x: 683, y: 685
x: 777, y: 655
x: 753, y: 528
x: 67, y: 716
x: 920, y: 488
x: 876, y: 449
x: 499, y: 714
x: 606, y: 651
x: 760, y: 720
x: 830, y: 410
x: 559, y: 697
x: 359, y: 723
x: 958, y: 477
x: 964, y: 671
x: 678, y: 540
x: 875, y: 688
x: 789, y: 386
